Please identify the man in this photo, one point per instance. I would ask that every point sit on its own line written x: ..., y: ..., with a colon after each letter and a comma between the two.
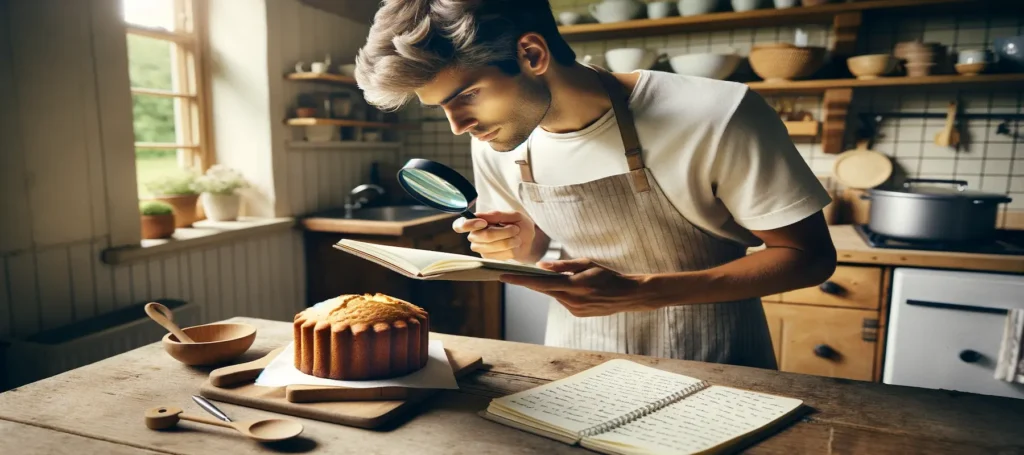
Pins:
x: 654, y: 184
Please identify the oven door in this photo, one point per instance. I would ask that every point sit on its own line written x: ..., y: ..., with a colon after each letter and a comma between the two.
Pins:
x: 946, y: 327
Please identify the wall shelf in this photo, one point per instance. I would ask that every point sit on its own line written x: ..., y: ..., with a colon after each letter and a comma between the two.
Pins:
x: 730, y: 19
x: 330, y: 78
x: 344, y: 145
x: 821, y: 85
x: 310, y: 121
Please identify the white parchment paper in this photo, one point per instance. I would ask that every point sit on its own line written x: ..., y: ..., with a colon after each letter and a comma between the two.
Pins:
x: 437, y: 374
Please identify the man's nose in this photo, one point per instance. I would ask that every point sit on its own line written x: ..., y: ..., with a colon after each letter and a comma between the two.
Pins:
x: 460, y: 123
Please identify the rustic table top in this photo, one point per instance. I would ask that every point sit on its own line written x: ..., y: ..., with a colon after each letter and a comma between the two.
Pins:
x: 98, y: 409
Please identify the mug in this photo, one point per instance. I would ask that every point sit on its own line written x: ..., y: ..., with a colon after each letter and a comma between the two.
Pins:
x: 658, y: 10
x: 318, y: 67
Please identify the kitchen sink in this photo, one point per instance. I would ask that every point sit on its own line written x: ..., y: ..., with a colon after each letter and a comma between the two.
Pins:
x: 392, y: 213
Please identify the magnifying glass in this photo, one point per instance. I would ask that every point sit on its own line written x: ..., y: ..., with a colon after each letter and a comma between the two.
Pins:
x: 436, y: 185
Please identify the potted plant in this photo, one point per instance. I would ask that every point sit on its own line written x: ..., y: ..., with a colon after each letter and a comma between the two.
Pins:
x: 218, y: 190
x: 176, y: 189
x: 157, y: 219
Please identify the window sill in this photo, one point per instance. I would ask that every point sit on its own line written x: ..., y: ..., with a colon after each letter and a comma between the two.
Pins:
x: 201, y: 234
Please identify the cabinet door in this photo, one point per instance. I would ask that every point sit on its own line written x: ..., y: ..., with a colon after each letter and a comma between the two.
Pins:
x: 834, y: 342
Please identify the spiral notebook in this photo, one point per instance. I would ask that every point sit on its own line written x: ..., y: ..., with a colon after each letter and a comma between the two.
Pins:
x: 622, y: 407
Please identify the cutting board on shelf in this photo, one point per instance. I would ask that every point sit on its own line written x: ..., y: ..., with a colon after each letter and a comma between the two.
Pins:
x: 363, y: 408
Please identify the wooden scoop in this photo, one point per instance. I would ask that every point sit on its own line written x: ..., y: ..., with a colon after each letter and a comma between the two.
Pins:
x: 265, y: 430
x: 163, y: 316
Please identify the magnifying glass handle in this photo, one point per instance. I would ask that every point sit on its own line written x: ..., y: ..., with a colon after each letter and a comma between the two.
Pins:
x: 468, y: 215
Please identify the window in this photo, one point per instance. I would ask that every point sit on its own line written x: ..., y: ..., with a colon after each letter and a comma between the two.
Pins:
x: 167, y: 88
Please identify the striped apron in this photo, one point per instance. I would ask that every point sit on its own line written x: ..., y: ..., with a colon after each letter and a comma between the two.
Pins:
x: 626, y: 223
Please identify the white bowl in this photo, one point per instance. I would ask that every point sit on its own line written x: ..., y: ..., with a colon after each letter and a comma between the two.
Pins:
x: 569, y: 17
x: 627, y: 59
x: 746, y: 5
x: 709, y: 65
x: 348, y: 69
x: 695, y: 7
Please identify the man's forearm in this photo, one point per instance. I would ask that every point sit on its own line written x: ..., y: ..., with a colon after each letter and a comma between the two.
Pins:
x: 766, y: 272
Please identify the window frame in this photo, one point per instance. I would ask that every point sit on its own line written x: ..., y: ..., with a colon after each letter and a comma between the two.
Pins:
x: 192, y: 110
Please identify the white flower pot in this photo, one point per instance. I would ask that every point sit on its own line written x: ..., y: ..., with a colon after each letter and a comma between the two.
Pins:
x: 221, y: 207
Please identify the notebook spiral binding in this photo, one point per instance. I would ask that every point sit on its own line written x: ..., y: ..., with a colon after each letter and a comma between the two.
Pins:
x: 622, y: 420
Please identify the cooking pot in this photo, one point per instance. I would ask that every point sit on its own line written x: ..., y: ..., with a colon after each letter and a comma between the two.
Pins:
x: 933, y: 213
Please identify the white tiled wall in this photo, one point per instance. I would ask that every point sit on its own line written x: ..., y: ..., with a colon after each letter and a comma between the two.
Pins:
x: 987, y: 161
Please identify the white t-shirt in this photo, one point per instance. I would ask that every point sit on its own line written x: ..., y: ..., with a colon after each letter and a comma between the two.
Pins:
x: 721, y: 155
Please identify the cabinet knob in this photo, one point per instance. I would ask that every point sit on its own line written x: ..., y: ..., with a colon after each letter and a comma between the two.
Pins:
x: 824, y: 351
x: 970, y: 356
x: 830, y: 287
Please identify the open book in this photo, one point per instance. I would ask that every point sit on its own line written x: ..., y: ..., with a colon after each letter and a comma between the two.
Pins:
x: 622, y: 407
x: 434, y: 265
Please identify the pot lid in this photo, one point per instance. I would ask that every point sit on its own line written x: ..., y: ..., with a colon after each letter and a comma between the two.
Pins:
x: 861, y: 168
x: 954, y: 189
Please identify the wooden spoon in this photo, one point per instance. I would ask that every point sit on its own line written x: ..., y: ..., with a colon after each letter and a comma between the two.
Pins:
x: 948, y: 136
x: 265, y: 430
x: 163, y: 316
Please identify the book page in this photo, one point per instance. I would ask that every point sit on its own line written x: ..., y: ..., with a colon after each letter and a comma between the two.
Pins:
x: 706, y: 419
x: 595, y: 396
x: 412, y: 259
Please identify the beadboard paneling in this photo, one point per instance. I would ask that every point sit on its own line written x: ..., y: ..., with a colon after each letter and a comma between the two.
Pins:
x: 6, y: 315
x: 23, y: 293
x: 244, y: 278
x: 52, y: 269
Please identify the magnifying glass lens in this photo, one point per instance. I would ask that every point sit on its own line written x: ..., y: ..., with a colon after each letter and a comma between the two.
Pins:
x: 434, y: 188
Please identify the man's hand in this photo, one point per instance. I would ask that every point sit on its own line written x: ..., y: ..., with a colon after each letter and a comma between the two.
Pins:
x: 591, y: 290
x: 512, y: 240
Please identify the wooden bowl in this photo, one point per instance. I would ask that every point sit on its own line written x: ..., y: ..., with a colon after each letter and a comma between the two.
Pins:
x: 970, y: 69
x: 871, y: 66
x: 214, y: 343
x: 778, y: 62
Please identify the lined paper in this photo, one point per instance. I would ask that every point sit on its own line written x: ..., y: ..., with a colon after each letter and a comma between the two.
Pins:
x: 601, y: 394
x: 701, y: 421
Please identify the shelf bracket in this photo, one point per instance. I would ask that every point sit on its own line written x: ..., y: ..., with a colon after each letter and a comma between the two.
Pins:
x: 835, y: 105
x: 845, y: 27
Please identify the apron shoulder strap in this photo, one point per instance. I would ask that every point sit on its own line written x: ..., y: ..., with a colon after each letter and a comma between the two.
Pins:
x: 624, y: 117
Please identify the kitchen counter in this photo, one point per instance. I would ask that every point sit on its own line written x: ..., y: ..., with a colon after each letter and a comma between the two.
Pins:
x: 99, y: 409
x: 851, y: 249
x: 335, y: 222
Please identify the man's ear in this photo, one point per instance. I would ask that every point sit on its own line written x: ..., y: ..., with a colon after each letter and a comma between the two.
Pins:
x: 534, y: 55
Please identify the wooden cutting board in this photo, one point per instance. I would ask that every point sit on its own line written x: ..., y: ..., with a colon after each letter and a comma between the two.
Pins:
x: 358, y: 411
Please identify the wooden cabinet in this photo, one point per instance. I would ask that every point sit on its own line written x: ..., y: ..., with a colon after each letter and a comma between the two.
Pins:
x: 834, y: 329
x: 835, y: 342
x: 459, y: 308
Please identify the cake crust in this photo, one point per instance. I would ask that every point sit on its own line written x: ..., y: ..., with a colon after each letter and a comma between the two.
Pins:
x: 367, y: 336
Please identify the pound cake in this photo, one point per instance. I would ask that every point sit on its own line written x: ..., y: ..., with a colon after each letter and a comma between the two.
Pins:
x: 365, y: 336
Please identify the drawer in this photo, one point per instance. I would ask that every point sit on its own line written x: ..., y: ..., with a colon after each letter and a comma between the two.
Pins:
x: 848, y: 287
x: 833, y: 342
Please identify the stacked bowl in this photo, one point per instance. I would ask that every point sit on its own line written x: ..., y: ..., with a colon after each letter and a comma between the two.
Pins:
x: 919, y: 58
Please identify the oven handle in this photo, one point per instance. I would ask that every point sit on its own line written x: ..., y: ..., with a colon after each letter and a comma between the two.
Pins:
x: 954, y: 306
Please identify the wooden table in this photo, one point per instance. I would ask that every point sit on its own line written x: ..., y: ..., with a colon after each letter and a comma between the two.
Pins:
x: 98, y: 409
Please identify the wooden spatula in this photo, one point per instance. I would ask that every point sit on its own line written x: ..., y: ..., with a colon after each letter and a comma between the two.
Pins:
x: 242, y: 372
x: 949, y: 136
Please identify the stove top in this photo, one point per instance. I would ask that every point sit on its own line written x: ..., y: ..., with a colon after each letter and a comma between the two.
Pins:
x: 1005, y: 241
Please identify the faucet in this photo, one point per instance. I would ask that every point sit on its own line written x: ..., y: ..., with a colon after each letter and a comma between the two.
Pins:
x: 359, y: 194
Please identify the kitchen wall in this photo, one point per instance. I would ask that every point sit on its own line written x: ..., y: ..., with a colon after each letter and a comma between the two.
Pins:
x: 313, y: 177
x: 987, y: 161
x: 67, y: 162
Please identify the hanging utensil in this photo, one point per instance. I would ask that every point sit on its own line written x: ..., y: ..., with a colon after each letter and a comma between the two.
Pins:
x: 862, y: 168
x: 949, y: 136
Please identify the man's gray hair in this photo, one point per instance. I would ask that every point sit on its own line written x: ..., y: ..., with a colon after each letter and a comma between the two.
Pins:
x: 411, y: 41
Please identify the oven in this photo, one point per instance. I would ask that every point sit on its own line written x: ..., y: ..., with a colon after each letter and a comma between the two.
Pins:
x: 945, y: 329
